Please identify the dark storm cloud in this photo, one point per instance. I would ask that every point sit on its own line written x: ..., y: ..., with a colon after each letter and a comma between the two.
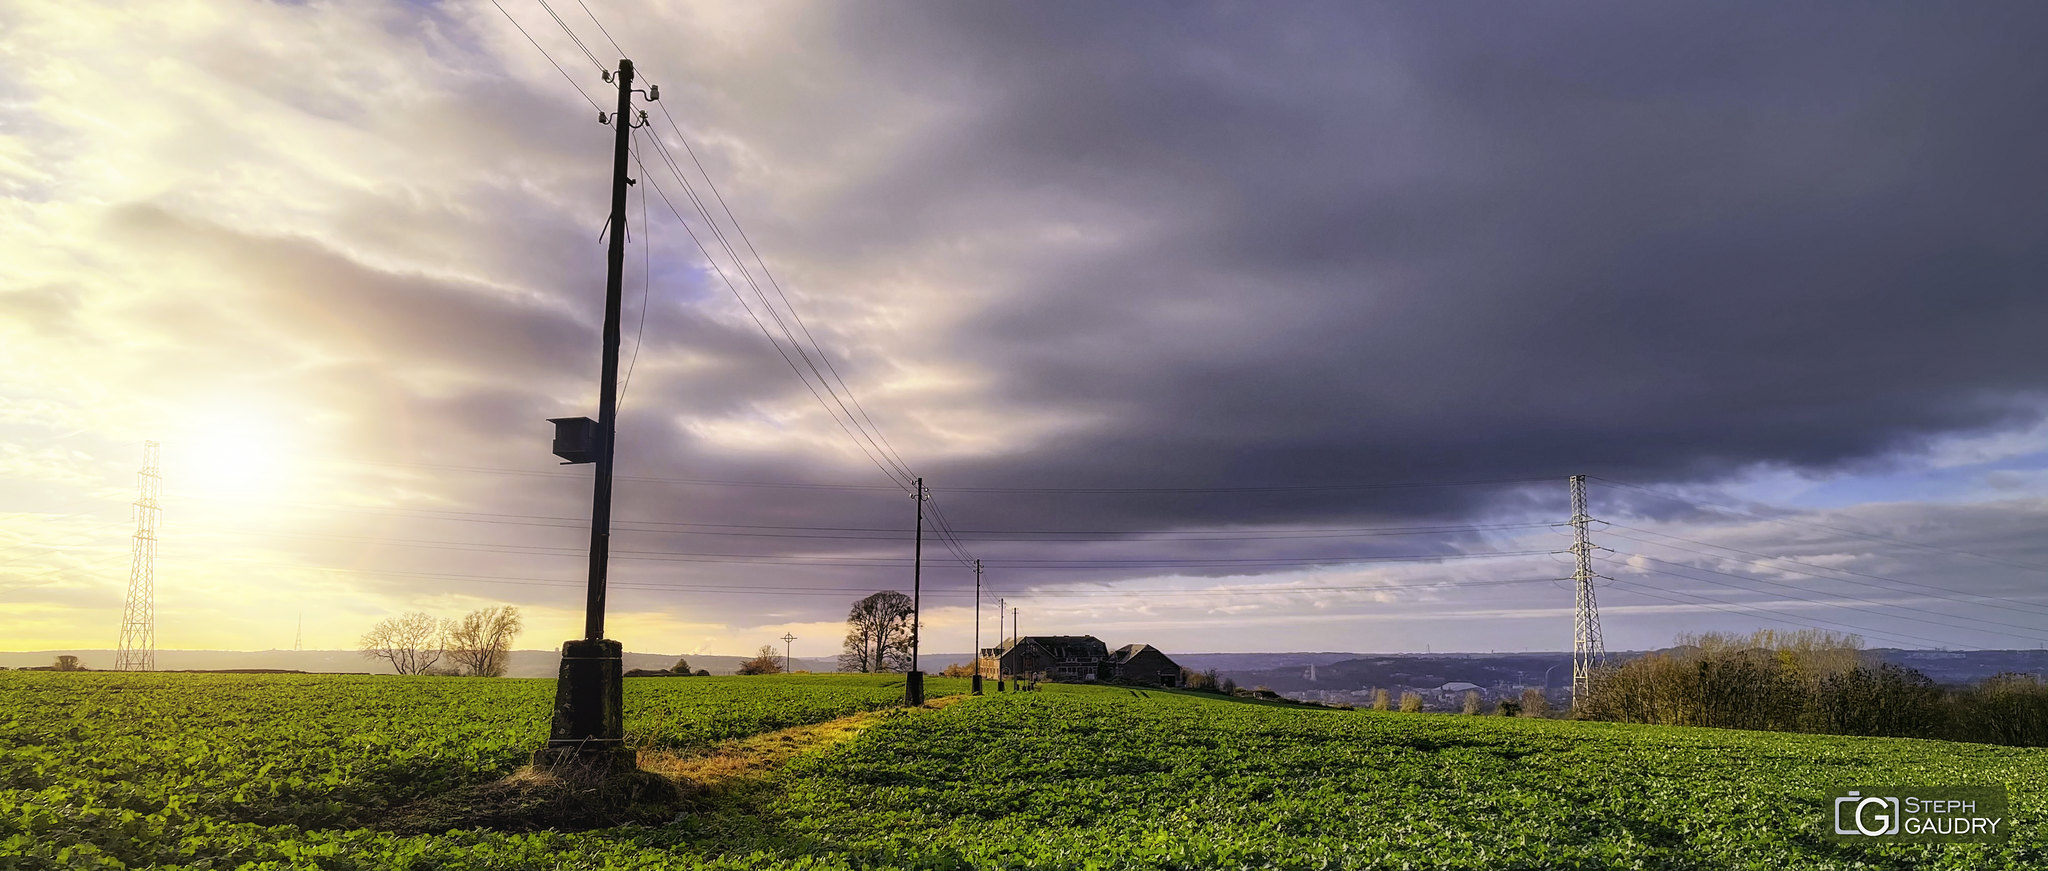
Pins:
x: 1213, y: 246
x: 1424, y: 243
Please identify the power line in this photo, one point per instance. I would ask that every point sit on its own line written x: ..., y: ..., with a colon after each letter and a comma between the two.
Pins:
x: 572, y: 35
x: 1696, y: 501
x: 892, y: 475
x: 2033, y: 634
x: 1751, y: 611
x: 551, y: 58
x: 900, y: 470
x: 600, y: 28
x: 777, y: 285
x: 646, y: 272
x: 1400, y: 485
x: 1895, y: 583
x: 757, y: 590
x: 848, y: 560
x: 1107, y: 536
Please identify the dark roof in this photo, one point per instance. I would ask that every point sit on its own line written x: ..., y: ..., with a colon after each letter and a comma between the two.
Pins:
x: 1062, y: 645
x: 1124, y: 653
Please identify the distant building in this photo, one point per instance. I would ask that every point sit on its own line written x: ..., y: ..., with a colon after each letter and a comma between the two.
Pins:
x: 1143, y: 663
x: 1077, y: 659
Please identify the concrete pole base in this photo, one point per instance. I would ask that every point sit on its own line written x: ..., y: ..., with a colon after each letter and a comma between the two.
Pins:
x: 589, y: 725
x: 977, y: 685
x: 913, y: 688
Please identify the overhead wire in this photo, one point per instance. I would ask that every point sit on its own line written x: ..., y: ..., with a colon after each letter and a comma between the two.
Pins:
x: 600, y: 28
x: 572, y: 34
x: 757, y: 321
x: 1697, y: 501
x: 1894, y: 584
x: 1676, y: 567
x: 902, y: 472
x: 1756, y: 611
x: 646, y: 279
x: 741, y: 229
x: 550, y: 57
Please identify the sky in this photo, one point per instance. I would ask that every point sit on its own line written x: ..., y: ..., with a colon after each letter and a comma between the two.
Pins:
x: 1220, y: 327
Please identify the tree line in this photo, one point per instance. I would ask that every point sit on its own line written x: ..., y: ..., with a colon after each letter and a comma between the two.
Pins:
x: 478, y: 644
x: 1811, y: 681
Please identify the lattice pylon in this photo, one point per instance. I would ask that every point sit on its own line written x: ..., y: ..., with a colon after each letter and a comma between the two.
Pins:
x: 1588, y: 650
x: 138, y: 619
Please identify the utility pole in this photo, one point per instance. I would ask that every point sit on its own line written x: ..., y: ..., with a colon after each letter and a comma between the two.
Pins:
x: 1002, y: 611
x: 138, y: 618
x: 589, y: 729
x: 788, y: 638
x: 913, y: 680
x: 977, y: 627
x: 299, y: 635
x: 1588, y: 651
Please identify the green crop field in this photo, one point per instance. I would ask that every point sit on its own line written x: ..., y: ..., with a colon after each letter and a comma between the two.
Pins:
x: 275, y: 772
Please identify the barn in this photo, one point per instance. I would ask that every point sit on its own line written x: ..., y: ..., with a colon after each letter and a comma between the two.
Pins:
x: 1077, y: 658
x: 1142, y: 663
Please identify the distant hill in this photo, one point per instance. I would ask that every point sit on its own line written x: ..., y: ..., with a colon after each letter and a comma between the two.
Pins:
x: 1290, y: 673
x: 1282, y: 672
x: 525, y: 663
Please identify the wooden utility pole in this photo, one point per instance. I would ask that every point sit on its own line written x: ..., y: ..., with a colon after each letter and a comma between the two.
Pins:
x: 977, y: 627
x: 913, y: 680
x: 588, y: 726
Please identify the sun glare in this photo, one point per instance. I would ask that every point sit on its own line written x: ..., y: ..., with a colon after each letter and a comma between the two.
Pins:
x: 230, y: 454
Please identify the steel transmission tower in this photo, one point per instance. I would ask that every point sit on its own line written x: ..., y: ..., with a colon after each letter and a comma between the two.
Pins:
x: 1588, y: 651
x: 138, y: 620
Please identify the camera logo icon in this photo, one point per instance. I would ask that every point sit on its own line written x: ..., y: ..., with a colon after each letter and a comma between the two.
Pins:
x: 1869, y: 815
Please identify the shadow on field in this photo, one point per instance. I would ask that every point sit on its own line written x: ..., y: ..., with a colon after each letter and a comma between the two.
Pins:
x: 532, y: 800
x: 665, y: 787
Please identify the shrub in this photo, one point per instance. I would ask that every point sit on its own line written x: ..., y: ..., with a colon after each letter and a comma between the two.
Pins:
x: 67, y: 662
x: 1411, y: 703
x: 1381, y: 700
x: 1508, y: 709
x: 682, y: 666
x: 764, y: 662
x: 1534, y: 704
x: 2009, y: 709
x: 1204, y: 681
x: 958, y: 669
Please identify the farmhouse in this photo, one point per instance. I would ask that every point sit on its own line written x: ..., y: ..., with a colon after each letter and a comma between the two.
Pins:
x: 1143, y: 663
x: 1078, y: 658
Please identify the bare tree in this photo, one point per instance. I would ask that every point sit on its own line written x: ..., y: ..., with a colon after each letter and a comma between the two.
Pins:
x: 765, y: 661
x: 481, y: 642
x: 67, y: 662
x: 1533, y: 703
x: 1411, y: 703
x: 878, y: 634
x: 1471, y: 701
x: 412, y: 642
x: 1380, y: 700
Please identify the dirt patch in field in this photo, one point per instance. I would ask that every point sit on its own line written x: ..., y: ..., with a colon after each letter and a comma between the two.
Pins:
x: 662, y: 788
x: 749, y: 758
x: 531, y: 800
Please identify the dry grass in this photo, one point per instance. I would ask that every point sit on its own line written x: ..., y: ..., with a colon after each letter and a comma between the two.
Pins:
x: 659, y: 790
x: 745, y: 759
